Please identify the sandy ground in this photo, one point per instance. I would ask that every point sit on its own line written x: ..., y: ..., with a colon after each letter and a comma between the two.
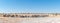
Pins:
x: 30, y: 20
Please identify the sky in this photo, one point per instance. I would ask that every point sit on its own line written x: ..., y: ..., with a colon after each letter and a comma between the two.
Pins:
x: 29, y: 6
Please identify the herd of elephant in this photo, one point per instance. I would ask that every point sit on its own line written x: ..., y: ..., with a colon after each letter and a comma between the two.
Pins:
x: 25, y: 16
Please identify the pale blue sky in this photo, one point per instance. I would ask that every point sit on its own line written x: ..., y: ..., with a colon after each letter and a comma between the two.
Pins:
x: 30, y: 6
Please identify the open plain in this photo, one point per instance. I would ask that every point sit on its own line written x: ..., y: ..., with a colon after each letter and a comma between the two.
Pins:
x: 50, y: 19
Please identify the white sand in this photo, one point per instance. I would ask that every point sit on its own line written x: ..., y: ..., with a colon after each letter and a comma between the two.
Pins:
x: 30, y: 20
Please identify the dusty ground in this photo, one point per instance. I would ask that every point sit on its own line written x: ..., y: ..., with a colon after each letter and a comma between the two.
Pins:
x: 30, y: 20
